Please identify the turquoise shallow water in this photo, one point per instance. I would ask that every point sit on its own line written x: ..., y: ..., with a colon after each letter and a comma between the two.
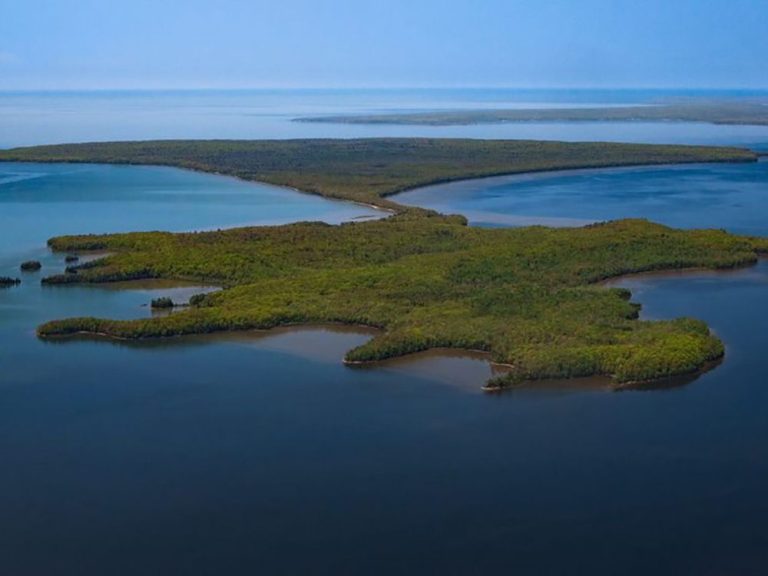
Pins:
x: 38, y: 201
x: 262, y: 453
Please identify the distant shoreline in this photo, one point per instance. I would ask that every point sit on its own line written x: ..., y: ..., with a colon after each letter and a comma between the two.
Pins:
x: 739, y: 113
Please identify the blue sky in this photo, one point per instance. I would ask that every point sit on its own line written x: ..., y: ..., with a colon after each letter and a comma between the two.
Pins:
x: 63, y: 44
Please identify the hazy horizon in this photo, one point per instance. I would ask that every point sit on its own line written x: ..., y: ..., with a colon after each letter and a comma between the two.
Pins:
x: 362, y: 87
x: 340, y: 44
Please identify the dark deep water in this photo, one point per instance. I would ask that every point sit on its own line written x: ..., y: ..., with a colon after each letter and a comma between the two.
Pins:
x: 263, y: 454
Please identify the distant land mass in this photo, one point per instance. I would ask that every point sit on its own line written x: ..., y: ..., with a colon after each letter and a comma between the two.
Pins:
x: 752, y: 112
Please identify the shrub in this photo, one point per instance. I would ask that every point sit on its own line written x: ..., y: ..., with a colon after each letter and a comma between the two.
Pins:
x: 30, y: 266
x: 198, y: 300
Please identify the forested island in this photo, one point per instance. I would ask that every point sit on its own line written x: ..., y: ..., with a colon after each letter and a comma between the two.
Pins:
x: 530, y: 297
x: 720, y: 112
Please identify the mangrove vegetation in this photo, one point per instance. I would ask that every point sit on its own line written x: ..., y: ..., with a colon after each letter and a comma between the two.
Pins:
x: 528, y: 296
x: 30, y: 266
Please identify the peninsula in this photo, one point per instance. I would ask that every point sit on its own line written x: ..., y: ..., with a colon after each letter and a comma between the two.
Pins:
x: 530, y: 297
x: 372, y: 169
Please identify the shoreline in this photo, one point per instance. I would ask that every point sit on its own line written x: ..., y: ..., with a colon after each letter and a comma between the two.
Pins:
x: 194, y: 170
x: 567, y: 170
x: 499, y: 157
x: 543, y: 174
x: 388, y: 195
x: 597, y: 382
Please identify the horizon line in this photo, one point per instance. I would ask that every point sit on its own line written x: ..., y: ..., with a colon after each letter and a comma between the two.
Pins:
x: 381, y: 87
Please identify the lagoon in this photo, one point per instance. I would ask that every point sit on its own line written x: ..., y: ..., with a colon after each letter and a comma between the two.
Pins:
x: 732, y: 196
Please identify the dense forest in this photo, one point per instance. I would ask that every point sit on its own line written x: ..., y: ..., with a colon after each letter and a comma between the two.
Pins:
x: 528, y: 296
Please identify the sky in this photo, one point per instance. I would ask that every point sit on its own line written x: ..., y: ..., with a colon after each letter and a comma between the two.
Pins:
x: 135, y: 44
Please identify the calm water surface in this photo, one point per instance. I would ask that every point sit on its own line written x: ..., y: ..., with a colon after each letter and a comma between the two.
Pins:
x: 28, y: 118
x: 263, y: 454
x: 732, y: 196
x: 38, y: 201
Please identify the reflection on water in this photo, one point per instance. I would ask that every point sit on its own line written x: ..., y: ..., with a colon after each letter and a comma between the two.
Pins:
x: 463, y: 369
x: 326, y: 344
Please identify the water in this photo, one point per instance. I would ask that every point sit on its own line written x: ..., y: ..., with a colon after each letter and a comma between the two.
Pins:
x: 38, y: 201
x: 28, y: 118
x: 262, y: 453
x: 732, y: 196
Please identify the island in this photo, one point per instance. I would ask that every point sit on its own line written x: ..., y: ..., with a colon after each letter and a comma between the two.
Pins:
x: 734, y: 112
x: 6, y: 281
x: 30, y: 266
x: 529, y: 297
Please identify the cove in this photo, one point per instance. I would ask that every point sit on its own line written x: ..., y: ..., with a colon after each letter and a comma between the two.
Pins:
x: 696, y: 196
x: 41, y: 200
